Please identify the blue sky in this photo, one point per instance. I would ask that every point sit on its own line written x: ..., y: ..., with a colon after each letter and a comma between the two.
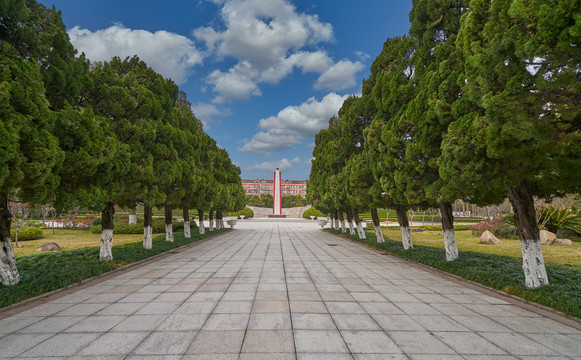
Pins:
x: 263, y: 75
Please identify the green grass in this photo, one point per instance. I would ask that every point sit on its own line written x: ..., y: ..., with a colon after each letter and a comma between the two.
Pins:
x: 499, y: 272
x: 382, y: 213
x: 46, y: 272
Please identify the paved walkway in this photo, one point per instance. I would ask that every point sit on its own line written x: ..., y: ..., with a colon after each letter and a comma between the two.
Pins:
x: 282, y: 290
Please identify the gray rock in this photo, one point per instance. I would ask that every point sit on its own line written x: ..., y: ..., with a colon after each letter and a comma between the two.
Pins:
x: 49, y: 247
x: 488, y: 238
x: 547, y: 237
x: 562, y: 242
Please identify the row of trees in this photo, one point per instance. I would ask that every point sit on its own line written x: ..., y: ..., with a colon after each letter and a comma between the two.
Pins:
x: 97, y: 135
x: 481, y: 101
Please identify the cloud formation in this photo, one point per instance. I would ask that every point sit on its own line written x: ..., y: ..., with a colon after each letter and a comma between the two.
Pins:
x: 293, y: 124
x: 171, y: 55
x: 270, y: 39
x: 283, y: 165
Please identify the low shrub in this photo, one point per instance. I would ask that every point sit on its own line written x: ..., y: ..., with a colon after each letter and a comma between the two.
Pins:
x: 439, y: 227
x: 312, y: 212
x: 499, y: 227
x: 97, y: 221
x: 125, y: 228
x: 27, y: 233
x: 247, y: 212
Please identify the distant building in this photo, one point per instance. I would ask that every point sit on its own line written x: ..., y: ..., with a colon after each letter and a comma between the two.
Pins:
x: 289, y: 187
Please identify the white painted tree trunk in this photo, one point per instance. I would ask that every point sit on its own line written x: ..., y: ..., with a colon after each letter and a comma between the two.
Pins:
x: 148, y: 237
x: 406, y: 237
x: 187, y: 230
x: 168, y: 233
x: 201, y: 226
x: 337, y: 225
x: 343, y: 229
x: 132, y: 219
x: 8, y: 271
x: 360, y: 231
x: 450, y: 244
x: 211, y: 225
x: 351, y: 230
x: 533, y: 264
x: 106, y: 253
x: 221, y: 224
x: 379, y: 234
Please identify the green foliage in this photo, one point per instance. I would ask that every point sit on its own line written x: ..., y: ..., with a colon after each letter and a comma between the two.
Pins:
x: 125, y: 228
x: 27, y: 233
x: 47, y: 272
x: 499, y: 227
x: 312, y: 212
x: 247, y: 212
x: 290, y: 201
x: 555, y: 218
x: 503, y: 273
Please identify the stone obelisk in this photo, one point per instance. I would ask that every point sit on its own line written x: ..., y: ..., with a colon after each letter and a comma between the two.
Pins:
x: 277, y: 196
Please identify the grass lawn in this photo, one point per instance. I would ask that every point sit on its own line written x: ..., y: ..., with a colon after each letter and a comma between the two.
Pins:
x: 509, y: 247
x: 71, y: 239
x: 44, y: 272
x: 498, y: 267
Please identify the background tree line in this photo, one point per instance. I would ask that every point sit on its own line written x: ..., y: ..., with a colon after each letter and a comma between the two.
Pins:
x: 98, y: 135
x: 479, y: 102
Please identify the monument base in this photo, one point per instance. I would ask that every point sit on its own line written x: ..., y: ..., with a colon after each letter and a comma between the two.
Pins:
x: 277, y: 216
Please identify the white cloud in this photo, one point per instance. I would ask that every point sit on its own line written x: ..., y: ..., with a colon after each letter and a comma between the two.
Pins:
x: 270, y: 39
x: 339, y: 76
x: 283, y: 165
x: 206, y: 113
x: 293, y: 124
x: 172, y: 55
x: 309, y: 161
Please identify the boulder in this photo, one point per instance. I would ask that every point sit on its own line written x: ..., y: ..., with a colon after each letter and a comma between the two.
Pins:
x: 49, y: 247
x: 547, y: 237
x: 562, y: 242
x: 488, y: 238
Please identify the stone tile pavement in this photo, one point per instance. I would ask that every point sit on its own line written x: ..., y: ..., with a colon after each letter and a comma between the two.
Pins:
x: 282, y: 290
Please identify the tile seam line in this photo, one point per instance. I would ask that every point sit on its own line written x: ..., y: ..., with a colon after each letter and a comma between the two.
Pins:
x: 55, y: 294
x: 514, y: 300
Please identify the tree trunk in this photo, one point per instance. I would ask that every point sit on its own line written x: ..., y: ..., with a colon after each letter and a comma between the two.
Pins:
x: 219, y: 219
x: 404, y: 225
x: 360, y: 231
x: 377, y: 226
x: 342, y: 220
x: 523, y: 206
x: 147, y: 227
x: 350, y: 221
x: 106, y: 253
x: 187, y: 230
x: 336, y: 216
x: 168, y: 226
x: 448, y: 230
x: 8, y: 272
x: 132, y: 216
x: 201, y: 221
x: 211, y: 220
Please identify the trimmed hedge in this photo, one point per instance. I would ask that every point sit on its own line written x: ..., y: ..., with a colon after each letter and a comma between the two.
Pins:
x: 27, y: 233
x: 312, y: 212
x: 247, y: 212
x: 125, y: 228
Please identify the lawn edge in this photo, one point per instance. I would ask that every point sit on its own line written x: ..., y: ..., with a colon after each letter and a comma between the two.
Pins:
x: 55, y: 294
x: 523, y: 303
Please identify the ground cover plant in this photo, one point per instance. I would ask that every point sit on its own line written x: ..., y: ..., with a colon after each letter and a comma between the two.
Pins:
x: 501, y: 272
x: 47, y: 272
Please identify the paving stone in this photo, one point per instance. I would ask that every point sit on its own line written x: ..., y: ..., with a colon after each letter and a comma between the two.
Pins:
x: 355, y: 322
x: 217, y: 342
x: 95, y: 324
x: 469, y: 343
x: 416, y: 342
x: 168, y: 342
x: 52, y: 324
x: 139, y: 323
x: 113, y: 343
x: 331, y: 356
x: 227, y: 322
x: 313, y: 322
x: 183, y: 322
x: 344, y: 307
x: 320, y: 341
x: 15, y: 344
x: 119, y: 308
x: 269, y: 322
x: 310, y: 307
x: 233, y: 307
x: 62, y: 345
x: 371, y: 342
x: 268, y: 341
